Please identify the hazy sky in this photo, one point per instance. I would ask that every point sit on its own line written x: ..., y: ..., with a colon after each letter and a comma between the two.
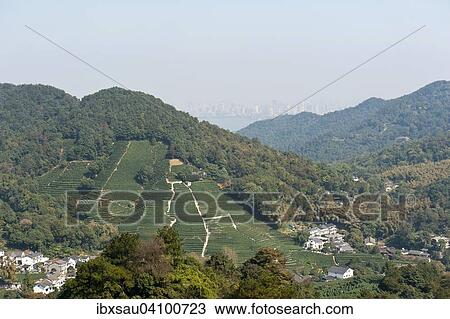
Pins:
x: 248, y: 52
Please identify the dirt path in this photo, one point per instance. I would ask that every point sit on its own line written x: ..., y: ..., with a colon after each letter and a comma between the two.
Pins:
x: 335, y: 262
x: 205, y: 225
x: 232, y: 221
x: 169, y: 203
x: 117, y: 165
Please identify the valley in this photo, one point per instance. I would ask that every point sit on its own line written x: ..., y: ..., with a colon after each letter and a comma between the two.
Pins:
x: 117, y: 141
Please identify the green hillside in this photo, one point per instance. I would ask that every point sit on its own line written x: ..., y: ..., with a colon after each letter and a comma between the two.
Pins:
x: 117, y: 139
x: 416, y: 166
x: 368, y: 127
x: 433, y: 148
x: 51, y: 142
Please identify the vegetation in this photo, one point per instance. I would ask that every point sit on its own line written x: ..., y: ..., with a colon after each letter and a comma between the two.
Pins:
x: 117, y: 139
x: 142, y: 164
x: 108, y: 140
x: 431, y: 149
x: 159, y: 268
x: 32, y: 221
x: 369, y: 127
x: 426, y: 280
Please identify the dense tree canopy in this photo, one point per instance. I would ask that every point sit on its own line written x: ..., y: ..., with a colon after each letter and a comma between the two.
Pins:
x: 150, y: 269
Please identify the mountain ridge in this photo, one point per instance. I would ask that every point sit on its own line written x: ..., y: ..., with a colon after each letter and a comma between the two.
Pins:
x: 369, y: 126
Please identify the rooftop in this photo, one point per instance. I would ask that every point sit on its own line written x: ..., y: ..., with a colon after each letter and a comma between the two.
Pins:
x: 338, y: 269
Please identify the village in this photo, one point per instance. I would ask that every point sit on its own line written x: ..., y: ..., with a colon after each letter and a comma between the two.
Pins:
x: 327, y: 235
x: 328, y: 239
x: 55, y: 271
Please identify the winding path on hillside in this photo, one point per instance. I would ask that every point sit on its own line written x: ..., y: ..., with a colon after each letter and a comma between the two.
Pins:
x: 335, y: 262
x: 197, y: 206
x: 169, y: 203
x: 205, y: 225
x: 117, y: 165
x: 232, y: 221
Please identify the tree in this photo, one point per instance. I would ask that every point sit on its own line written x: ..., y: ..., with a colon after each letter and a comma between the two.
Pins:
x: 27, y: 284
x: 266, y: 258
x: 265, y: 276
x: 172, y: 241
x: 424, y: 280
x: 145, y: 175
x: 95, y: 168
x: 327, y: 248
x: 122, y: 249
x: 221, y: 268
x: 302, y: 237
x: 188, y: 281
x: 8, y: 270
x: 222, y: 264
x: 355, y: 237
x: 86, y: 183
x: 150, y: 258
x: 446, y: 259
x: 98, y: 278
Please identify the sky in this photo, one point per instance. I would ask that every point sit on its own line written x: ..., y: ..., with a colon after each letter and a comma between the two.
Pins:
x: 247, y: 52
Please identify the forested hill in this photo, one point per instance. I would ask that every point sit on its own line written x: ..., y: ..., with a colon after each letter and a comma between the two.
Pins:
x: 42, y: 126
x: 430, y: 149
x: 43, y: 130
x: 367, y: 127
x: 33, y: 121
x: 419, y: 166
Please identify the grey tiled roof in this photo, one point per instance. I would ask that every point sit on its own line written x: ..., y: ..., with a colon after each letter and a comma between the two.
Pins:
x: 338, y: 270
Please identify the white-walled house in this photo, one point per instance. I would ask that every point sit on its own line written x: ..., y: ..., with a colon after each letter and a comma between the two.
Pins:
x: 15, y: 256
x: 58, y: 266
x: 370, y: 241
x: 314, y: 244
x: 38, y: 258
x: 57, y: 280
x: 344, y: 247
x: 26, y: 260
x: 43, y: 286
x: 84, y: 259
x: 57, y: 270
x: 340, y: 272
x: 326, y: 229
x: 415, y: 254
x: 71, y: 261
x: 437, y: 239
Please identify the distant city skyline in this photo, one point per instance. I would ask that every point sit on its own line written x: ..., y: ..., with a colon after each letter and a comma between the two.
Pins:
x: 234, y: 116
x: 258, y: 111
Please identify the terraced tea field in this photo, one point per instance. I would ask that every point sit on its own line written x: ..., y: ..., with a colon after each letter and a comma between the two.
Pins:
x: 118, y: 150
x: 118, y: 173
x: 136, y: 156
x: 62, y: 179
x: 247, y: 238
x: 232, y: 228
x: 208, y: 232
